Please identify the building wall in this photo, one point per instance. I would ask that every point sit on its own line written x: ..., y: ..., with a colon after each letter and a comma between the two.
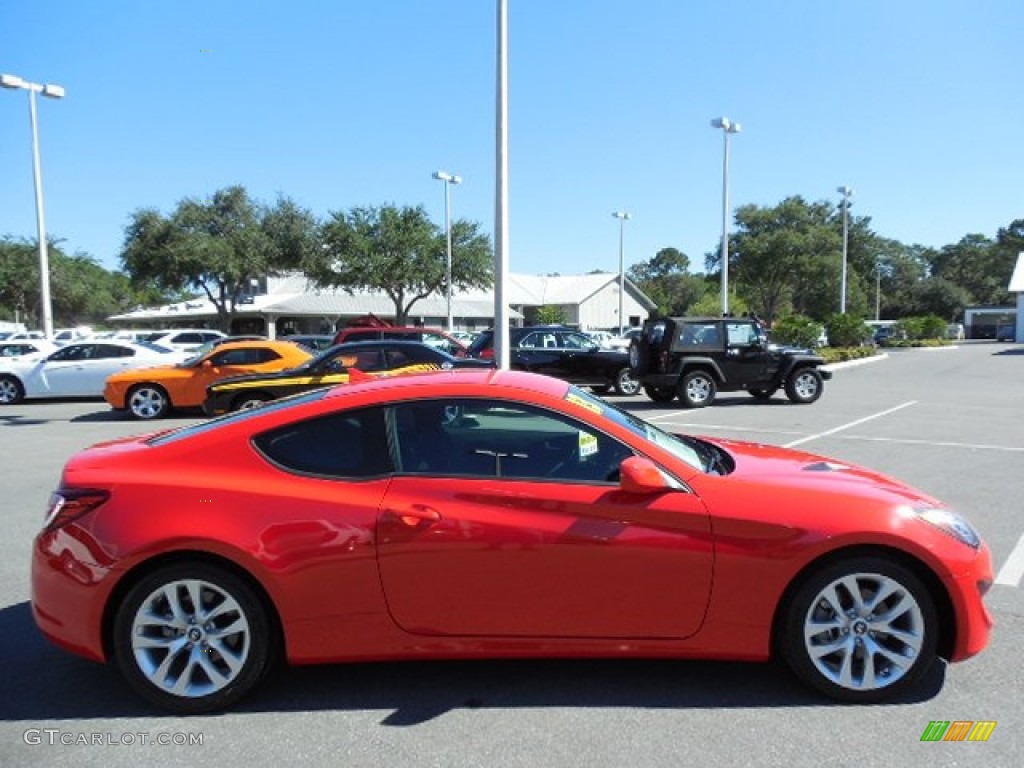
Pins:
x: 601, y: 311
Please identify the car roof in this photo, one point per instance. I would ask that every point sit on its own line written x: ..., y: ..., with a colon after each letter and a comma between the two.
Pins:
x: 255, y: 344
x: 475, y: 381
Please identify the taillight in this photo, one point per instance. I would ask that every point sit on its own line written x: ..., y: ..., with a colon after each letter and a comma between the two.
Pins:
x: 68, y: 504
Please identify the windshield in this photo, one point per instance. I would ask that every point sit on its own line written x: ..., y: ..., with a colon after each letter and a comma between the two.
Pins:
x: 197, y: 355
x: 696, y: 453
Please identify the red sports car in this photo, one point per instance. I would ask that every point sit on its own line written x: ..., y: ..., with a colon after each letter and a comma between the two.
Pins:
x: 472, y: 514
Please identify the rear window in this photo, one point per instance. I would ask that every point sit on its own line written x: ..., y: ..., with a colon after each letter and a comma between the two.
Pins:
x: 352, y: 444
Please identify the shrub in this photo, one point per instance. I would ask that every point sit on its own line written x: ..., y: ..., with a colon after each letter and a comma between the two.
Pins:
x: 918, y: 328
x: 847, y: 331
x: 797, y: 330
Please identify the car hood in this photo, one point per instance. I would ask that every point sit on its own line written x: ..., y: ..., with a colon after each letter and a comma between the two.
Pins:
x: 796, y: 473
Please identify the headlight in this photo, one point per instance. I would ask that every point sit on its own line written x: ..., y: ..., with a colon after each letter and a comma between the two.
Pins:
x: 950, y: 522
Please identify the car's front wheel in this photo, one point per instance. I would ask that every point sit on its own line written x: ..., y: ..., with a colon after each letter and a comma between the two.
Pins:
x: 697, y: 389
x: 11, y: 390
x: 804, y: 386
x: 626, y: 383
x: 148, y: 401
x: 861, y: 629
x: 192, y: 637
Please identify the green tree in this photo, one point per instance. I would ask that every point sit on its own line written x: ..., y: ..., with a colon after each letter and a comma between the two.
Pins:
x: 217, y: 246
x: 549, y: 314
x: 781, y: 257
x: 975, y: 265
x: 666, y: 280
x: 401, y: 253
x: 81, y: 291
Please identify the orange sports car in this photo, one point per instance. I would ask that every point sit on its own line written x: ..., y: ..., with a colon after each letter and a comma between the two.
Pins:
x: 150, y: 393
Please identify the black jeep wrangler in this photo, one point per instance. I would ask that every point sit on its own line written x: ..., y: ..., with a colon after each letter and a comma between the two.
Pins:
x: 695, y: 357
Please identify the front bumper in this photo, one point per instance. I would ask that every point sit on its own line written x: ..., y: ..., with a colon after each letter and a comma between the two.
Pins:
x: 967, y: 589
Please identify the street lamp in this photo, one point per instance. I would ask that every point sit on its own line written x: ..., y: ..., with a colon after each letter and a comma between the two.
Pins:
x: 623, y: 217
x: 847, y: 193
x: 448, y: 179
x: 727, y: 127
x: 53, y: 92
x: 878, y: 290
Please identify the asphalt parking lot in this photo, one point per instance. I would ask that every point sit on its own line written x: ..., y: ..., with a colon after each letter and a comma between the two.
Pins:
x: 948, y: 421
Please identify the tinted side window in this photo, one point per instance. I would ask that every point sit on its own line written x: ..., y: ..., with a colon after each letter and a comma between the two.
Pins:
x: 479, y: 438
x: 349, y: 445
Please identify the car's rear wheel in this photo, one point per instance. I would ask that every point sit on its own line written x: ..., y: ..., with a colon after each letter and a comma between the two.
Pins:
x: 762, y: 394
x: 660, y: 394
x: 804, y: 386
x: 697, y: 389
x: 11, y: 390
x: 192, y: 637
x: 250, y: 401
x: 148, y: 401
x: 861, y: 629
x: 626, y: 383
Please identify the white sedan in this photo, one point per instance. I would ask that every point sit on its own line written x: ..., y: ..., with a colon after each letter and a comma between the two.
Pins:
x: 23, y: 349
x: 76, y: 370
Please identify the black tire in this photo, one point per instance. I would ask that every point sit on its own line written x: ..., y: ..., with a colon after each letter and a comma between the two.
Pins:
x: 196, y: 653
x: 250, y: 400
x: 697, y: 389
x: 851, y: 655
x: 804, y: 386
x: 762, y: 394
x: 11, y: 390
x: 626, y: 383
x: 660, y: 394
x: 147, y: 402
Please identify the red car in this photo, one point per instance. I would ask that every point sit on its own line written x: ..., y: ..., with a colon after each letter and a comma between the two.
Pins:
x: 485, y: 514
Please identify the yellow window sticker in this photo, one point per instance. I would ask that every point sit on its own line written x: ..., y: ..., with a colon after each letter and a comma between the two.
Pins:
x: 575, y: 399
x: 588, y: 444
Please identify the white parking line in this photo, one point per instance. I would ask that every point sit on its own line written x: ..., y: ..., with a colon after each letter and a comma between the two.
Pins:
x: 840, y: 428
x: 1013, y: 568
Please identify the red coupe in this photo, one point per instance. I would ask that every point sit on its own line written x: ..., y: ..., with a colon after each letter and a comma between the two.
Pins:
x: 476, y: 514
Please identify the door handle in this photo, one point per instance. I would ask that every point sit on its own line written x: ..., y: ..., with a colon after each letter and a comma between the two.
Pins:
x: 416, y: 516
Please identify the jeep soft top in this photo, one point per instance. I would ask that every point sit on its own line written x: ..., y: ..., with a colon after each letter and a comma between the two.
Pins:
x: 694, y: 358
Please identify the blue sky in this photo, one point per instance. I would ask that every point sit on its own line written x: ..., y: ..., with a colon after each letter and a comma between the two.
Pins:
x: 915, y: 104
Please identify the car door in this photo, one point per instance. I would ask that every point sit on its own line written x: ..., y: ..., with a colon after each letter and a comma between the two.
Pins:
x: 64, y: 373
x: 539, y: 352
x: 223, y: 363
x: 746, y: 357
x: 508, y: 520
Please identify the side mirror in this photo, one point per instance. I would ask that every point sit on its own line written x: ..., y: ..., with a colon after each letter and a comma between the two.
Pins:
x: 639, y: 475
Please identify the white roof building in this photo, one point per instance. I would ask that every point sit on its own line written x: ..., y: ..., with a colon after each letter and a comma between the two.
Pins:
x: 293, y: 304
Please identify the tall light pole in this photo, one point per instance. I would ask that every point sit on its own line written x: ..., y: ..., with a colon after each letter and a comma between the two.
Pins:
x: 54, y: 92
x: 727, y: 127
x: 623, y: 217
x: 878, y: 290
x: 448, y: 179
x: 847, y: 193
x: 501, y: 309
